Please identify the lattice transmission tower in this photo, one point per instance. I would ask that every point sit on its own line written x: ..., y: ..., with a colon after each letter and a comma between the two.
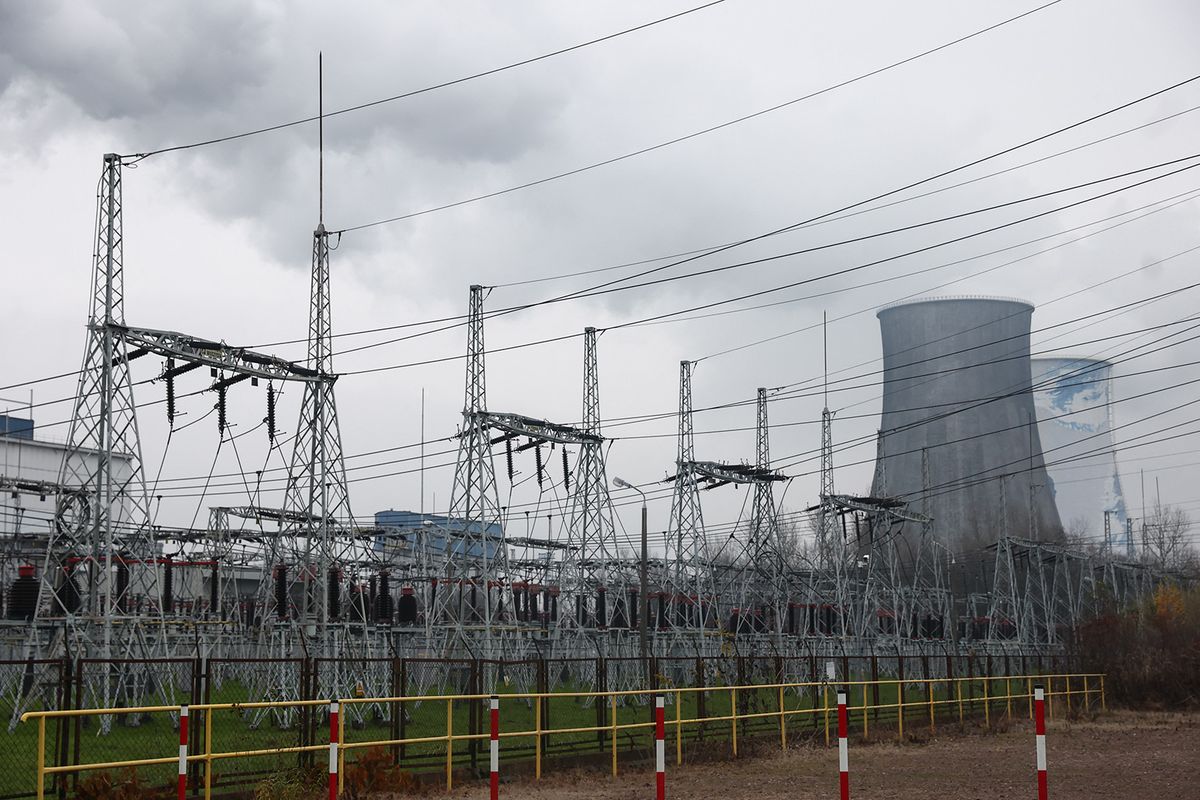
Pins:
x: 593, y: 582
x: 686, y: 605
x: 467, y: 601
x: 763, y: 592
x: 101, y: 558
x: 763, y: 544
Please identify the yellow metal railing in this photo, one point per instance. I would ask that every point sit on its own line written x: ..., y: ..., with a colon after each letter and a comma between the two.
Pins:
x: 1086, y: 687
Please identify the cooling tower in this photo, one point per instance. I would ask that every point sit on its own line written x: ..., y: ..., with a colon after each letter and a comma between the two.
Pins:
x: 956, y: 380
x: 1073, y: 399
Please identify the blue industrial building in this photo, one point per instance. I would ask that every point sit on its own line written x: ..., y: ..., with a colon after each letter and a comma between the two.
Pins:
x: 438, y: 533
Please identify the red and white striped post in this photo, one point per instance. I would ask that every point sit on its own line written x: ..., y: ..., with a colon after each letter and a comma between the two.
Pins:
x: 183, y: 751
x: 660, y: 747
x: 843, y: 744
x: 494, y: 703
x: 1039, y: 720
x: 333, y: 750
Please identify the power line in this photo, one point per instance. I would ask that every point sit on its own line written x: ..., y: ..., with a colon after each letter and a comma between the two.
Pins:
x: 829, y: 216
x: 793, y: 284
x: 662, y: 319
x: 796, y: 394
x: 705, y: 131
x: 849, y: 215
x: 955, y: 409
x: 281, y: 126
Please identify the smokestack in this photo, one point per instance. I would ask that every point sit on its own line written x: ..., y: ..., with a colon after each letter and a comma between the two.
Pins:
x: 1073, y: 397
x: 956, y: 375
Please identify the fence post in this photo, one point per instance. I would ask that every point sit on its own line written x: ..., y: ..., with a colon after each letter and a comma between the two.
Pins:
x: 843, y: 744
x: 449, y: 745
x: 333, y: 750
x: 494, y: 744
x: 208, y: 753
x: 1039, y: 702
x: 733, y: 712
x: 181, y: 790
x: 601, y: 686
x: 971, y: 683
x: 782, y: 722
x: 929, y: 693
x: 1087, y: 698
x: 473, y: 723
x: 397, y: 709
x: 660, y: 755
x: 341, y: 753
x: 987, y: 703
x: 825, y: 701
x: 679, y: 726
x: 866, y: 730
x: 875, y: 687
x: 613, y: 707
x: 1103, y: 699
x: 41, y: 759
x: 63, y: 724
x: 537, y: 739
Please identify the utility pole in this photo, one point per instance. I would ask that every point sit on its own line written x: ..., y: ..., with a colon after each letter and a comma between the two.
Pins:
x: 644, y: 602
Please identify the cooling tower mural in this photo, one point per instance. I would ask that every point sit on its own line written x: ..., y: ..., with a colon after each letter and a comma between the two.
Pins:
x: 956, y: 389
x: 1073, y: 397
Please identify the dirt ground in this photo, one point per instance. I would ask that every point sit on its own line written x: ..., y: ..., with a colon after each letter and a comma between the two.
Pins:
x: 1120, y: 755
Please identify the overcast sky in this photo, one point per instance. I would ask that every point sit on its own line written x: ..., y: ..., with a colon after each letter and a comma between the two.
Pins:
x: 218, y: 238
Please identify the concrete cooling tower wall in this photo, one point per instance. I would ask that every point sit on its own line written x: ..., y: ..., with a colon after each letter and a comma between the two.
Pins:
x: 1073, y: 399
x: 956, y: 377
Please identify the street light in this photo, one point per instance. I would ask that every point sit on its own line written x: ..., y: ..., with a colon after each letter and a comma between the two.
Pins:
x: 644, y: 614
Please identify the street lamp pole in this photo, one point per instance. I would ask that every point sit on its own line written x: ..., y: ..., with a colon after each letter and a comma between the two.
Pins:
x: 644, y: 613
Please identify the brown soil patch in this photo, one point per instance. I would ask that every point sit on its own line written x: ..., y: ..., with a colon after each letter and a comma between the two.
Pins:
x: 1119, y: 756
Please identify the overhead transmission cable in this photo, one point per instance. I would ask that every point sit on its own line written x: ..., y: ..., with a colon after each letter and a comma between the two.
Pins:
x: 850, y: 214
x: 444, y: 84
x: 942, y: 413
x: 618, y: 421
x: 802, y: 282
x: 711, y: 129
x: 729, y: 245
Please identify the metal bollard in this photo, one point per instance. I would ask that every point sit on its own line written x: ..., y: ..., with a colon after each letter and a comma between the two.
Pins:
x: 1039, y: 713
x: 660, y: 744
x: 183, y: 752
x: 333, y: 750
x: 843, y: 744
x: 494, y: 744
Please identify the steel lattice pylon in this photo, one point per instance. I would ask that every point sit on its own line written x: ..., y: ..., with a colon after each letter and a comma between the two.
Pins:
x: 762, y: 595
x: 762, y: 542
x: 317, y: 499
x: 689, y: 590
x: 1004, y: 607
x: 104, y: 526
x: 828, y: 551
x: 469, y: 591
x: 589, y: 568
